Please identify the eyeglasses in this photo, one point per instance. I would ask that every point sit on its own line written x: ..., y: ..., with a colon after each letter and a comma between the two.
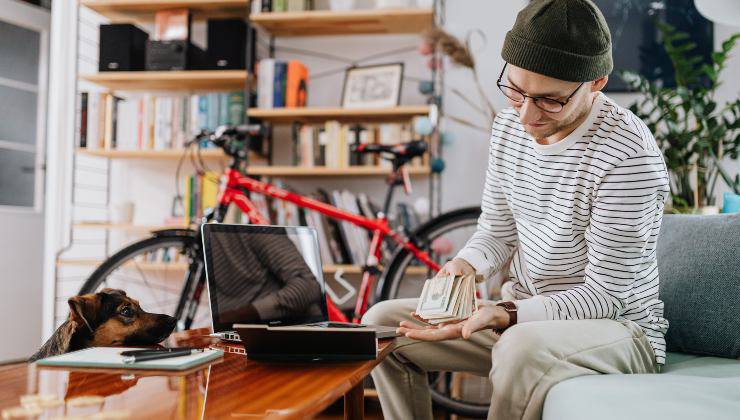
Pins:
x: 546, y: 104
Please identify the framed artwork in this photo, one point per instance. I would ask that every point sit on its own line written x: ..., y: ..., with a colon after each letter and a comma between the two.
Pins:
x: 376, y: 86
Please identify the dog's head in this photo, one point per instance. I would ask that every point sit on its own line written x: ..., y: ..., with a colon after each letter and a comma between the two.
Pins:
x: 110, y: 318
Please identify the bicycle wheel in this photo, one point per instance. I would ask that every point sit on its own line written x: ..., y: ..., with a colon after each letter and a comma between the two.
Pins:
x: 163, y: 273
x: 442, y: 237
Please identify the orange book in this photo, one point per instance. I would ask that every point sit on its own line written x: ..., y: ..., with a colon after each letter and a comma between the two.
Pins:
x: 296, y: 86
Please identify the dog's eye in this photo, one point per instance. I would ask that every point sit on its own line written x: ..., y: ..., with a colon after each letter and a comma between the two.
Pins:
x: 127, y: 312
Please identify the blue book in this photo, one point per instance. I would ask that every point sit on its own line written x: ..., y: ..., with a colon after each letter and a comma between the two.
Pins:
x: 281, y: 73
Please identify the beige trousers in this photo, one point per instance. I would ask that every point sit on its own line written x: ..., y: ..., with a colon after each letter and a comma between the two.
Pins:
x: 522, y: 364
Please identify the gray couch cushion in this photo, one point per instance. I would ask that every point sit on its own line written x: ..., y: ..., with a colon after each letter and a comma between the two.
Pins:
x: 689, y: 388
x: 699, y: 266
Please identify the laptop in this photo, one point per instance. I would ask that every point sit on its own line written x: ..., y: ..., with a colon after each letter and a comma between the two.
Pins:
x: 268, y: 275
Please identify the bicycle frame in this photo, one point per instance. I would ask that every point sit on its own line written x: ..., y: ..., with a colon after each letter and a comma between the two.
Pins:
x: 232, y: 190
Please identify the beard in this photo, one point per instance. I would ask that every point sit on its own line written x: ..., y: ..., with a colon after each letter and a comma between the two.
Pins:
x: 553, y: 127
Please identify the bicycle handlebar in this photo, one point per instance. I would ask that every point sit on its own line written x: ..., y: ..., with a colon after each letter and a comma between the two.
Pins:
x: 229, y: 138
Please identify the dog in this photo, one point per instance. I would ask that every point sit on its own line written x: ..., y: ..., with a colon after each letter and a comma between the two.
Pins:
x: 106, y: 318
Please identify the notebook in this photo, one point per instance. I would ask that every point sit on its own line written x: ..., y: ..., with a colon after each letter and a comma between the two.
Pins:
x: 110, y: 357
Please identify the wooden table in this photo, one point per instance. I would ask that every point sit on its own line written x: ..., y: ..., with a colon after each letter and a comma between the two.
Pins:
x: 226, y: 388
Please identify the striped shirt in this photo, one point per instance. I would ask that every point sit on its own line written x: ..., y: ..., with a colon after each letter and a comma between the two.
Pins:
x: 576, y: 221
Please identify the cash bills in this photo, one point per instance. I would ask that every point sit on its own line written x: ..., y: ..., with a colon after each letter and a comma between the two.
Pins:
x: 447, y: 298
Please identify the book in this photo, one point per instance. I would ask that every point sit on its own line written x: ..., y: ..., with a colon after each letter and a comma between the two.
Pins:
x: 279, y: 5
x: 337, y: 242
x: 278, y: 94
x: 296, y: 87
x: 447, y: 298
x: 82, y: 130
x: 256, y: 6
x: 235, y: 108
x: 209, y: 187
x: 110, y: 357
x: 213, y: 110
x: 265, y: 83
x: 223, y: 109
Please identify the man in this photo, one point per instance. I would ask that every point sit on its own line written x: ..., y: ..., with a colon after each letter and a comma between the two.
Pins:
x: 573, y: 199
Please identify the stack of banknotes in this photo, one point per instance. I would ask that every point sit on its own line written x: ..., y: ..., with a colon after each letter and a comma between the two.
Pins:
x: 448, y: 298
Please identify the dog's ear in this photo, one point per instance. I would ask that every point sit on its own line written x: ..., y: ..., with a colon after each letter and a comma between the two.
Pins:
x: 83, y: 309
x: 108, y: 291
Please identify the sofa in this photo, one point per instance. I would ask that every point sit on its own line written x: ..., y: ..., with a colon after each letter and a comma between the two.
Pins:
x: 699, y: 263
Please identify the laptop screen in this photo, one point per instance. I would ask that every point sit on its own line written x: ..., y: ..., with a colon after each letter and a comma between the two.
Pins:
x: 263, y: 274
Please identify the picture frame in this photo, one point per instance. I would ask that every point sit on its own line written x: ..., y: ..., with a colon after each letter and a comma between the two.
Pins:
x: 375, y: 86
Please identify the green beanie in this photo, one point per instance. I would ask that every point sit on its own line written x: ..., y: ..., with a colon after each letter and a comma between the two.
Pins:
x: 564, y: 39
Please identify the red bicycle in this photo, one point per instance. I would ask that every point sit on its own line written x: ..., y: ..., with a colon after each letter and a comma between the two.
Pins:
x: 166, y: 271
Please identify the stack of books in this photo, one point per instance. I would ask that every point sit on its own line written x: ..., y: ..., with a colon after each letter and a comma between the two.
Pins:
x: 259, y: 6
x: 328, y: 145
x: 281, y: 84
x: 201, y: 191
x: 150, y: 122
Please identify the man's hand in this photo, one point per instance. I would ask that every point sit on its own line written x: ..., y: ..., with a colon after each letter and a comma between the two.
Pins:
x: 457, y: 267
x: 487, y: 316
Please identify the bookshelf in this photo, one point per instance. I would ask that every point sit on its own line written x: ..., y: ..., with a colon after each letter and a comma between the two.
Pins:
x: 198, y: 82
x: 183, y: 80
x: 143, y: 10
x: 322, y: 114
x: 353, y: 22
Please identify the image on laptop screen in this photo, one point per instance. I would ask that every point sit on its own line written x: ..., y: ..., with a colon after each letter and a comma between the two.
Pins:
x: 263, y: 274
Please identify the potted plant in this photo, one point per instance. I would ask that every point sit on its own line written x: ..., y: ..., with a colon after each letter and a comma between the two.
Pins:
x: 694, y: 132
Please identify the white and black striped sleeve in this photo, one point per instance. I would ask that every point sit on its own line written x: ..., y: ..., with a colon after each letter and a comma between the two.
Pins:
x: 623, y: 229
x: 495, y: 238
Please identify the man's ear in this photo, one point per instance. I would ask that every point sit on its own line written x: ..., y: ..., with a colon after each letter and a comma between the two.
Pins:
x: 83, y: 309
x: 599, y: 84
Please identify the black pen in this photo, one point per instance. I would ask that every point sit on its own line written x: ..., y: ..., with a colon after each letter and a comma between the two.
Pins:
x: 133, y: 356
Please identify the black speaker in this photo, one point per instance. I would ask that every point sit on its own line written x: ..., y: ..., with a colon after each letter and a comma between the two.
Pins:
x: 227, y: 44
x: 174, y: 55
x: 122, y: 47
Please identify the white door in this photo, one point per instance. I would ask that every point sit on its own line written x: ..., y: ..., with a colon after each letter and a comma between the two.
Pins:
x: 24, y: 40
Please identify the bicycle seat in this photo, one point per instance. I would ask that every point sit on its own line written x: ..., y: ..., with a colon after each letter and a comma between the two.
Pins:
x: 404, y: 151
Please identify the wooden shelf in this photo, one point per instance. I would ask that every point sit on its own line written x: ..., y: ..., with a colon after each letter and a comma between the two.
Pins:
x: 210, y: 80
x: 143, y: 10
x: 123, y: 226
x: 321, y: 114
x: 353, y: 22
x: 322, y: 171
x: 150, y: 154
